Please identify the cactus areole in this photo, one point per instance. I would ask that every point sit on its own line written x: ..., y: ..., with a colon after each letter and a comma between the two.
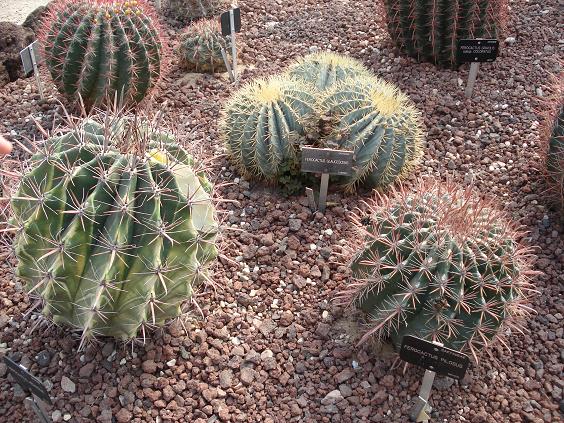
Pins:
x: 115, y: 228
x: 99, y: 49
x: 441, y: 265
x: 429, y: 30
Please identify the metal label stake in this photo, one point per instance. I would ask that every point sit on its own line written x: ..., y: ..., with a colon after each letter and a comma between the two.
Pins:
x: 474, y: 67
x: 233, y: 43
x: 227, y: 65
x: 230, y: 25
x: 421, y: 411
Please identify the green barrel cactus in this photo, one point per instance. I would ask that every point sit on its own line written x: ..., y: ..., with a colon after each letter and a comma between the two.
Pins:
x: 115, y: 227
x: 429, y: 30
x: 187, y: 11
x: 101, y: 50
x: 380, y: 124
x: 441, y: 264
x: 265, y: 123
x: 200, y: 47
x: 324, y: 69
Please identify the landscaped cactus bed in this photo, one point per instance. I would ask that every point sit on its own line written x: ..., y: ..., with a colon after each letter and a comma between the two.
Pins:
x: 263, y: 338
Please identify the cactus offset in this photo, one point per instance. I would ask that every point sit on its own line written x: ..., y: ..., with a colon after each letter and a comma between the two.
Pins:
x: 200, y: 47
x: 429, y: 31
x: 380, y: 124
x: 114, y: 227
x: 440, y: 264
x: 187, y: 11
x: 326, y: 69
x: 100, y: 50
x: 265, y: 123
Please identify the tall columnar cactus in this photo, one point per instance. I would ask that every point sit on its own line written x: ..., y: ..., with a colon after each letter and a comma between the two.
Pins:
x: 101, y: 49
x: 265, y: 123
x: 379, y: 123
x: 115, y: 227
x: 188, y: 10
x: 441, y: 264
x: 326, y: 69
x: 429, y: 30
x: 200, y: 47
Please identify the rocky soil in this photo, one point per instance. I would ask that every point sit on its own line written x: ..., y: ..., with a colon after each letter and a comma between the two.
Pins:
x: 272, y: 346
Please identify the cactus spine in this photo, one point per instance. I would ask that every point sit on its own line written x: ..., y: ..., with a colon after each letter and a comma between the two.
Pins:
x: 98, y: 50
x: 265, y: 123
x: 429, y: 30
x: 114, y: 228
x: 200, y: 47
x: 325, y: 69
x: 380, y: 124
x: 440, y: 264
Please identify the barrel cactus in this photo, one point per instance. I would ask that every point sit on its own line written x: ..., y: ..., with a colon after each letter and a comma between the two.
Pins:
x: 200, y: 47
x: 326, y: 68
x: 115, y: 227
x: 265, y: 123
x: 187, y: 11
x: 554, y: 138
x: 441, y: 264
x: 380, y: 124
x: 101, y: 50
x: 429, y: 31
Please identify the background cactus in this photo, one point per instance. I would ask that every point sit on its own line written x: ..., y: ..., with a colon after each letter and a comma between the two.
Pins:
x: 440, y: 264
x: 200, y: 47
x: 186, y: 11
x: 99, y: 49
x: 265, y: 123
x: 379, y: 123
x: 553, y: 136
x: 114, y: 227
x: 429, y: 31
x: 326, y: 68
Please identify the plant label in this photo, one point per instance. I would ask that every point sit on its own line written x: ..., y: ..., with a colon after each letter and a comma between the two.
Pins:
x: 27, y: 381
x: 29, y: 56
x: 30, y: 60
x: 226, y: 26
x: 326, y: 160
x: 436, y: 358
x: 480, y: 51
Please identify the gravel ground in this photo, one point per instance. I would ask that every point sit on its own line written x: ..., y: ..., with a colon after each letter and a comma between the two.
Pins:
x: 272, y: 346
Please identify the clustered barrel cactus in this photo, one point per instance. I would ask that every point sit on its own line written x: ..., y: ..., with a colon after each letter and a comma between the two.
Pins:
x: 325, y: 101
x: 441, y: 264
x: 200, y: 47
x: 324, y: 69
x: 100, y: 50
x: 187, y: 11
x: 115, y: 227
x: 380, y: 124
x: 264, y: 124
x: 429, y: 30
